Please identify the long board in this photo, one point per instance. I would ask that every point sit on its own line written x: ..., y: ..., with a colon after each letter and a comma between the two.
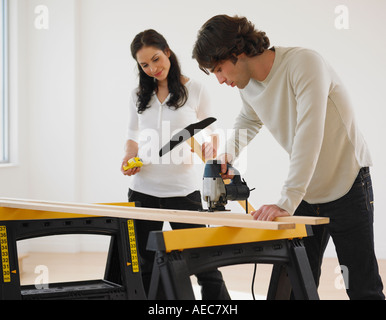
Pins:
x: 10, y: 208
x: 120, y: 211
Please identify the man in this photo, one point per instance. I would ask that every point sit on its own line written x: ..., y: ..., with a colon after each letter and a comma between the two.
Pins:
x: 300, y: 99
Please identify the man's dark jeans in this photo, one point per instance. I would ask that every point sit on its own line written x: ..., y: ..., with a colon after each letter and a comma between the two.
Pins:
x: 351, y: 229
x: 211, y: 282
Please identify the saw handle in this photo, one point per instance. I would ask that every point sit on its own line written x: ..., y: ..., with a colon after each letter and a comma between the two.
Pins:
x: 237, y: 189
x: 213, y: 169
x: 240, y: 189
x: 235, y: 171
x: 196, y: 147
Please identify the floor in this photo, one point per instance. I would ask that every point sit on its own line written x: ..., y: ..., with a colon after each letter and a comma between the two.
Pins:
x: 65, y: 267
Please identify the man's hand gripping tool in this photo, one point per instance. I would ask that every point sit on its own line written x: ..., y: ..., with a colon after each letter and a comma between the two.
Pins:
x: 216, y: 193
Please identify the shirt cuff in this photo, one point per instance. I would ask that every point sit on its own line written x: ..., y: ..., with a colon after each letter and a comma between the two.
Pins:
x: 289, y: 201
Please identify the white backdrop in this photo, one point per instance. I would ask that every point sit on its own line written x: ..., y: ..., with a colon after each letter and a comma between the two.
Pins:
x: 71, y: 76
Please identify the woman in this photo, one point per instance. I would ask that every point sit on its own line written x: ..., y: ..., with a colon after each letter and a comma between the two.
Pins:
x: 164, y: 102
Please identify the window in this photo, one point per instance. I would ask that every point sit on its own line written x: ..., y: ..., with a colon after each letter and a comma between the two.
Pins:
x: 4, y: 148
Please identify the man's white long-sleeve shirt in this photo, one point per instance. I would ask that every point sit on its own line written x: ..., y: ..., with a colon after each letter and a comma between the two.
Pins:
x: 305, y: 106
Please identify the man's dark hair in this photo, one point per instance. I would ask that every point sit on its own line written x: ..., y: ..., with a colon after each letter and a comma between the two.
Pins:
x: 224, y: 38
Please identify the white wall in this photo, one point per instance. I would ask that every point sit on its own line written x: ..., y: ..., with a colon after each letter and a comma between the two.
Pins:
x: 72, y: 83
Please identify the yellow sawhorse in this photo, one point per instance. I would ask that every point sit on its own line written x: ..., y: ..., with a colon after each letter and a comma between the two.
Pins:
x: 241, y: 240
x: 182, y: 253
x: 122, y: 279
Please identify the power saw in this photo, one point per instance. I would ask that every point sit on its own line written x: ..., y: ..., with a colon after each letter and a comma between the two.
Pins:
x: 216, y: 193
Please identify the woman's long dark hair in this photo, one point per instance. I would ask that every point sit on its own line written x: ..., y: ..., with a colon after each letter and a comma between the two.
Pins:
x: 147, y: 85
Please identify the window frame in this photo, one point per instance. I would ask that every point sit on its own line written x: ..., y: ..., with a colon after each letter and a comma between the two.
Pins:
x: 4, y: 108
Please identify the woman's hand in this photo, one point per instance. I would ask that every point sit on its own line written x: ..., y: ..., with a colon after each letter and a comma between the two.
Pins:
x: 129, y: 172
x: 131, y: 151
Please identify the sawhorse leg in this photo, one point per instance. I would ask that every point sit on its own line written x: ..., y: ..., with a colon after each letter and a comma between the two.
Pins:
x: 170, y: 278
x: 295, y: 277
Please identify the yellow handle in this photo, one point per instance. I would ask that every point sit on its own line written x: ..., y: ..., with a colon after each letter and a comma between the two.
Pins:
x: 133, y: 163
x: 196, y: 147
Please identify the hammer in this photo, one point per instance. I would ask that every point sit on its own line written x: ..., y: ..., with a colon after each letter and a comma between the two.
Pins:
x: 187, y: 134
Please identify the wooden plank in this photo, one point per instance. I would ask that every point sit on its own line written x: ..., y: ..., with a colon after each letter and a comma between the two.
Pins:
x: 312, y: 221
x: 218, y: 215
x: 143, y: 214
x: 291, y: 219
x: 196, y: 147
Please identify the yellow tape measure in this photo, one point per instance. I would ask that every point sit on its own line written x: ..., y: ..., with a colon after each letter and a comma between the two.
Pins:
x: 133, y: 246
x: 133, y: 163
x: 5, y: 254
